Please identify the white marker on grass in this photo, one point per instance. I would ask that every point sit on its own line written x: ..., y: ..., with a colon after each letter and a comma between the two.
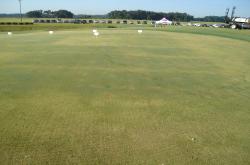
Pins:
x: 95, y: 31
x: 96, y: 34
x: 51, y: 32
x: 140, y: 31
x: 9, y: 33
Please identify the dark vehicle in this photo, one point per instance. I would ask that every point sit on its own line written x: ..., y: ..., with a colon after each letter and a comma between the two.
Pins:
x: 245, y: 26
x: 83, y: 21
x: 125, y: 22
x: 204, y: 25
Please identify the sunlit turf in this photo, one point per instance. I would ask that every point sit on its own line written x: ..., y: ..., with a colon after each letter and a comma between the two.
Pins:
x: 124, y: 98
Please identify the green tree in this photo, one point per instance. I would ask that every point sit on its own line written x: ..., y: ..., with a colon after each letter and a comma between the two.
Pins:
x: 63, y: 14
x: 148, y: 15
x: 35, y: 14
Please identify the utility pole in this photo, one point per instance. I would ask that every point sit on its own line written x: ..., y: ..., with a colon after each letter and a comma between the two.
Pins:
x: 20, y: 5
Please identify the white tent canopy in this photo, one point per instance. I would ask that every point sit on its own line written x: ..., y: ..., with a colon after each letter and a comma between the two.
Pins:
x: 163, y: 21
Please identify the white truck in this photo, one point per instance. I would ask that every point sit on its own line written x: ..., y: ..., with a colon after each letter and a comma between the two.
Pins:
x: 240, y: 23
x: 237, y: 22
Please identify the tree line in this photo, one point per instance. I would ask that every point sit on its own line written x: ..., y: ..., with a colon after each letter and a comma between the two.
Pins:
x: 211, y: 19
x: 123, y: 14
x: 50, y: 14
x: 13, y: 15
x: 120, y: 14
x: 149, y: 15
x: 59, y: 14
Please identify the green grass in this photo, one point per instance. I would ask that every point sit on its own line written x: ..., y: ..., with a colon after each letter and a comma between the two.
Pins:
x: 222, y: 32
x: 243, y: 35
x: 124, y: 98
x: 3, y: 19
x: 63, y: 26
x: 46, y: 27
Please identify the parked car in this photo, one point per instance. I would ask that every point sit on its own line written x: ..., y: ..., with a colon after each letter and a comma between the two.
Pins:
x: 219, y: 25
x: 53, y: 21
x: 102, y: 21
x: 197, y: 24
x: 245, y: 26
x: 77, y: 21
x: 65, y: 21
x: 83, y: 21
x: 204, y: 25
x: 35, y: 21
x: 59, y: 21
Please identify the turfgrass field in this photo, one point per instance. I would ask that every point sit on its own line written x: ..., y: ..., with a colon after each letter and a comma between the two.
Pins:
x: 123, y: 98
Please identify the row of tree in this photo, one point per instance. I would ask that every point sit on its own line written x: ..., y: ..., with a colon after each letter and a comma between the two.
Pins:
x: 13, y: 15
x: 211, y: 19
x: 50, y: 14
x: 149, y: 15
x: 123, y: 14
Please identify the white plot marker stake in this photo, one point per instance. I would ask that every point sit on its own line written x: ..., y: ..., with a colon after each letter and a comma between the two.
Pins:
x: 51, y: 32
x: 9, y: 33
x: 95, y: 31
x: 96, y: 34
x: 140, y: 31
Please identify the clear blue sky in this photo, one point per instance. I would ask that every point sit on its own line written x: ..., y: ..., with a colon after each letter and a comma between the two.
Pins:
x: 198, y: 8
